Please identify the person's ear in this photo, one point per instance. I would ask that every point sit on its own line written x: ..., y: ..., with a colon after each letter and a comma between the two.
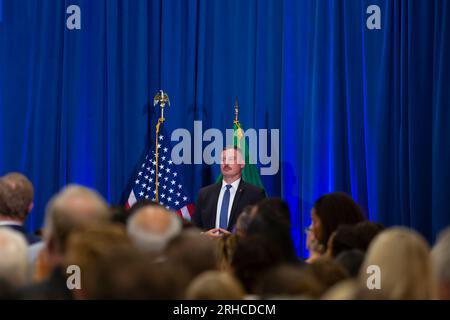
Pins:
x: 30, y: 207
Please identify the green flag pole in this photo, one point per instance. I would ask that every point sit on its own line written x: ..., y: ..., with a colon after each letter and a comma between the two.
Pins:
x: 250, y: 172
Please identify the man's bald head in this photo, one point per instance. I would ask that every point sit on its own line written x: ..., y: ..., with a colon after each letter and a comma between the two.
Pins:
x: 152, y: 227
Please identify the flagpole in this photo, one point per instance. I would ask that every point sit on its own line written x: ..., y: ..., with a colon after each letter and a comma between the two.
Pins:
x: 236, y: 122
x: 160, y: 98
x: 236, y: 111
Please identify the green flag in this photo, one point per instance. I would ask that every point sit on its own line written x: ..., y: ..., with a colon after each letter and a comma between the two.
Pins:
x: 250, y: 172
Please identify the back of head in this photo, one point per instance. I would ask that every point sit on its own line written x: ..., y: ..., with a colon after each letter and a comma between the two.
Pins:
x: 253, y: 256
x: 328, y: 272
x: 343, y: 239
x: 351, y: 261
x: 344, y: 290
x: 226, y: 245
x: 85, y: 247
x: 13, y: 257
x: 133, y: 274
x: 403, y: 258
x: 73, y: 208
x: 243, y: 221
x: 441, y: 263
x: 16, y: 196
x: 335, y: 209
x: 193, y: 251
x: 215, y: 285
x: 139, y: 205
x: 276, y: 207
x: 289, y: 281
x: 366, y: 231
x: 152, y: 227
x: 275, y: 229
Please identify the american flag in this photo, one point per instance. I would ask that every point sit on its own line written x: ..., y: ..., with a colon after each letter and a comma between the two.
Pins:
x: 172, y: 193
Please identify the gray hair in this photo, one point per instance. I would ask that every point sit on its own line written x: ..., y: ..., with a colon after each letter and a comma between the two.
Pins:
x: 73, y: 207
x: 152, y: 227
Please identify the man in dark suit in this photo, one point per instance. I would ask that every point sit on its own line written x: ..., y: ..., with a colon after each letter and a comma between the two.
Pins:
x: 16, y: 202
x: 219, y: 205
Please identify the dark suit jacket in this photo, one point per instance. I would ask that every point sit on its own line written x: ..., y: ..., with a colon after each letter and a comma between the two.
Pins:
x: 204, y: 216
x: 53, y: 288
x: 31, y: 238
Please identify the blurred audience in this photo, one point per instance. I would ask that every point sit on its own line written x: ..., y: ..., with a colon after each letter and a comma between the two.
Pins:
x: 149, y: 252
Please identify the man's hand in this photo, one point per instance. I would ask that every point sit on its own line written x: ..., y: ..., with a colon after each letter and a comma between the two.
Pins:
x: 216, y: 232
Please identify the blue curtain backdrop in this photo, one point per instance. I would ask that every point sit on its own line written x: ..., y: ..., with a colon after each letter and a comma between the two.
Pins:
x: 362, y: 111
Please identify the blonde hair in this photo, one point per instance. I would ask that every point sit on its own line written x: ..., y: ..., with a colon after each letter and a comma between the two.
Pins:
x: 88, y: 245
x: 403, y: 258
x: 13, y: 257
x: 226, y: 245
x: 344, y: 290
x: 215, y: 285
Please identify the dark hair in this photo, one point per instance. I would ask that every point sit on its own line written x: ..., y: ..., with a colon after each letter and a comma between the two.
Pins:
x: 276, y: 207
x: 119, y: 214
x: 253, y: 256
x: 335, y: 209
x: 7, y: 291
x: 343, y: 239
x: 351, y: 261
x: 288, y: 280
x: 194, y: 251
x: 328, y: 271
x: 244, y: 219
x: 270, y: 226
x: 366, y: 231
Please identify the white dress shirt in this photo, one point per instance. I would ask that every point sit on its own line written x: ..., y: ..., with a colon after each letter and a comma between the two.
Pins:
x: 233, y: 189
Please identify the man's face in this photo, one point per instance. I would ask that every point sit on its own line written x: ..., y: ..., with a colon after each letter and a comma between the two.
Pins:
x: 232, y: 163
